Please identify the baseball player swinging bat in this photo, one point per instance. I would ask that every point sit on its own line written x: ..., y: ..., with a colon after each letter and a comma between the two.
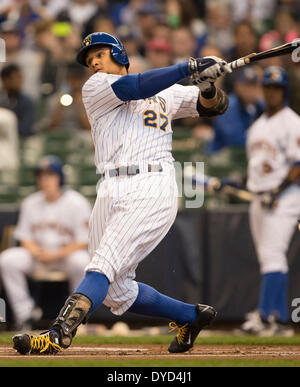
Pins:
x: 285, y: 49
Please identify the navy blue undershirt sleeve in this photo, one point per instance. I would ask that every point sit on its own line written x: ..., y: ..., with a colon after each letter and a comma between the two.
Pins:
x: 147, y: 84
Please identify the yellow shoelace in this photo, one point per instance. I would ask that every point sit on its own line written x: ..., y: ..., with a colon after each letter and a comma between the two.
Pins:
x: 42, y: 343
x: 181, y: 331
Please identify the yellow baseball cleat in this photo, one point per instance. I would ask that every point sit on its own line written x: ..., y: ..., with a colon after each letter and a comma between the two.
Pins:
x: 46, y: 343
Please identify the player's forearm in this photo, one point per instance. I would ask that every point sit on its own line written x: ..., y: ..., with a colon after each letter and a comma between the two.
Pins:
x: 69, y: 249
x: 209, y: 99
x: 32, y: 247
x: 292, y: 177
x: 212, y: 103
x: 145, y: 85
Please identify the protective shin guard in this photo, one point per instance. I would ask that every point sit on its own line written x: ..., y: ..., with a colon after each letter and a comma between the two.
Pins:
x: 73, y: 313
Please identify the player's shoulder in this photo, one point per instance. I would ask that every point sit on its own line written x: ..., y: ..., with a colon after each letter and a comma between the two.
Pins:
x: 289, y: 113
x: 33, y: 199
x: 75, y: 198
x: 258, y: 123
x: 97, y: 79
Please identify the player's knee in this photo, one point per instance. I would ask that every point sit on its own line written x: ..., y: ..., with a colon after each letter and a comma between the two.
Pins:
x: 121, y: 294
x: 272, y: 261
x: 79, y: 259
x: 11, y: 258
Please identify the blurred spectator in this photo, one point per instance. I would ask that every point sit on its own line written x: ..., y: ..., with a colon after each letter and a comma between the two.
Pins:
x: 245, y: 41
x: 254, y: 11
x: 141, y: 16
x: 9, y: 143
x: 20, y: 12
x: 245, y: 107
x: 158, y: 54
x: 65, y: 109
x: 162, y: 31
x: 28, y: 59
x: 50, y: 9
x: 81, y: 12
x: 183, y: 44
x: 53, y: 233
x: 104, y: 24
x: 138, y: 63
x: 293, y: 6
x: 47, y: 43
x: 103, y: 11
x: 181, y: 12
x: 147, y: 18
x: 14, y: 99
x: 285, y: 31
x: 69, y: 38
x: 219, y: 24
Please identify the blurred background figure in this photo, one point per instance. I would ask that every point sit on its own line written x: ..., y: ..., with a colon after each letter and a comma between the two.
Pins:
x: 29, y: 60
x: 138, y: 63
x: 13, y: 98
x: 219, y: 21
x: 285, y: 31
x: 273, y: 169
x: 53, y: 234
x: 158, y: 53
x: 245, y: 107
x: 183, y: 43
x: 9, y: 144
x: 65, y: 109
x: 245, y: 40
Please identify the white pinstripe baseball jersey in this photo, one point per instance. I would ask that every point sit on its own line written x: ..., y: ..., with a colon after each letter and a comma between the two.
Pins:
x: 273, y: 145
x: 132, y: 214
x: 128, y: 132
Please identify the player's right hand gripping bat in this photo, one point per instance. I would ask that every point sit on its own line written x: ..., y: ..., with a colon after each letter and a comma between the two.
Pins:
x: 214, y: 185
x: 285, y: 49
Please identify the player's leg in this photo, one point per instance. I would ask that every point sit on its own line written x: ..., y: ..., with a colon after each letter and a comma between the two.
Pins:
x: 78, y: 305
x: 149, y: 227
x: 15, y: 264
x: 275, y: 232
x: 73, y: 266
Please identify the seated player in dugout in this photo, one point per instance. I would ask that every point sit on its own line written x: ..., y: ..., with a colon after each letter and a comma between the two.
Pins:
x: 53, y: 234
x: 130, y: 117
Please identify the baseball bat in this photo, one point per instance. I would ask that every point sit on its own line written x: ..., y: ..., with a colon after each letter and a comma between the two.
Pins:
x: 237, y: 192
x: 227, y: 189
x: 284, y: 49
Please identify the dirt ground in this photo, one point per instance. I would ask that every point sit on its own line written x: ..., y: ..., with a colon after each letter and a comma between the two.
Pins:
x: 135, y: 351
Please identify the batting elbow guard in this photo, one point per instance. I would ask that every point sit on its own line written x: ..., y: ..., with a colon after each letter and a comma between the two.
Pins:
x: 220, y: 107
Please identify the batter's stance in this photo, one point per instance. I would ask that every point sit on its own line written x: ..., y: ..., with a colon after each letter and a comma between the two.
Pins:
x: 130, y: 117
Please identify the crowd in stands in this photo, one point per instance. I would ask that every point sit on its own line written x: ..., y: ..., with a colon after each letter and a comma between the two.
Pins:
x: 40, y: 89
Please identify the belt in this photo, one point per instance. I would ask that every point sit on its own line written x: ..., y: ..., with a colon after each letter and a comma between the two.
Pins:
x: 131, y: 170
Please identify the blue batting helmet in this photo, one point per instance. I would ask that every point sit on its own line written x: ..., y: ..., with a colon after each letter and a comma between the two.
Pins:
x: 277, y: 76
x: 53, y: 164
x: 102, y: 38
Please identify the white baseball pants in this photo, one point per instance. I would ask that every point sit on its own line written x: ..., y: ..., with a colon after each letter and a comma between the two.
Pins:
x: 272, y: 230
x: 132, y: 214
x: 16, y: 263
